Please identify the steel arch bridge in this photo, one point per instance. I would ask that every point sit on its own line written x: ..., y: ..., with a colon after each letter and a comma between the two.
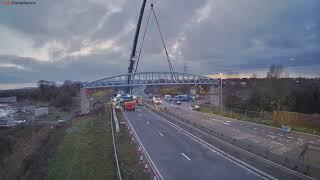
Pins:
x: 151, y: 78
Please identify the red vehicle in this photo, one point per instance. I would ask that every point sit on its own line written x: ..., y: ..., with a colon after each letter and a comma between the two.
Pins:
x: 130, y: 105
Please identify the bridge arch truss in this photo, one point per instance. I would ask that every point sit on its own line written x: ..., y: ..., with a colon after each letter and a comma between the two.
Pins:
x: 151, y: 78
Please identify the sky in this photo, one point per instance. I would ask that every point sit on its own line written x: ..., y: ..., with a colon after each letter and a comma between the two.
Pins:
x: 91, y: 39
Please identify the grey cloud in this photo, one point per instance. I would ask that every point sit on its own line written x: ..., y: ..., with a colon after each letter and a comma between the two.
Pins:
x: 235, y: 36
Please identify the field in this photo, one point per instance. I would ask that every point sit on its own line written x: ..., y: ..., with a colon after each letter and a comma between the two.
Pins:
x: 85, y: 152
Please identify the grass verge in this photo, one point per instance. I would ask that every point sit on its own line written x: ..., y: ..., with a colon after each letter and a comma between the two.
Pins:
x: 130, y: 166
x: 85, y: 152
x: 206, y: 109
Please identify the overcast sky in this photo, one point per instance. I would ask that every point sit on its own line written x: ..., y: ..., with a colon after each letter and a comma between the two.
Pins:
x: 90, y: 39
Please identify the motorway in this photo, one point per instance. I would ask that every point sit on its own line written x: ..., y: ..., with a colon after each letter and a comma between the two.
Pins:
x: 272, y: 139
x: 178, y: 156
x: 259, y: 136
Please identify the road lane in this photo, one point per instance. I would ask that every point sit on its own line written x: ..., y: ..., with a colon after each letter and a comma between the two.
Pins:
x: 179, y: 157
x: 291, y: 143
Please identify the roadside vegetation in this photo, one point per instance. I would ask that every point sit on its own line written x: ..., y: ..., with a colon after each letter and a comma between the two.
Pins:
x: 25, y: 150
x: 85, y: 152
x: 47, y: 93
x: 130, y: 166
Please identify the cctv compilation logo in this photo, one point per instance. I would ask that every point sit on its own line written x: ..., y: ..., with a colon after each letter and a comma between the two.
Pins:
x: 17, y: 3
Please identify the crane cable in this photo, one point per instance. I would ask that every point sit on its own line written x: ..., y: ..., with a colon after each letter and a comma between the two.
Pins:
x: 162, y: 39
x: 164, y: 45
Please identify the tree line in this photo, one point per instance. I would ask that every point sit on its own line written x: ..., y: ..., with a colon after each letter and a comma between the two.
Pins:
x: 48, y: 91
x: 276, y: 92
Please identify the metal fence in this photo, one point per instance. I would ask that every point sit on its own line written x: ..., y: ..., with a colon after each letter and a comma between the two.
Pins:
x: 296, y: 165
x: 263, y: 117
x: 118, y: 172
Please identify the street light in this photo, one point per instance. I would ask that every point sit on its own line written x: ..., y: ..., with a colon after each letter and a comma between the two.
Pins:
x: 220, y: 92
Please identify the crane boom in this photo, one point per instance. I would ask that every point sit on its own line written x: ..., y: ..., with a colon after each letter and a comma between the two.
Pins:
x: 135, y: 41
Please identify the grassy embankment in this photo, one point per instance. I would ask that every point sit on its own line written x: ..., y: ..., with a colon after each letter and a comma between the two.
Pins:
x: 85, y: 152
x: 207, y: 109
x: 130, y: 166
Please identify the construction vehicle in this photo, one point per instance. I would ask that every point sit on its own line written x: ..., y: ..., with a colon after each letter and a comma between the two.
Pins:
x: 202, y: 92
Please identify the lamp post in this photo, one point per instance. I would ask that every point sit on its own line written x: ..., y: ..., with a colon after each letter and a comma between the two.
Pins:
x: 220, y: 92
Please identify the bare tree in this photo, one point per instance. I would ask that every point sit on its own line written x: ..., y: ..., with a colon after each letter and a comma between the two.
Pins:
x: 254, y: 76
x: 275, y: 71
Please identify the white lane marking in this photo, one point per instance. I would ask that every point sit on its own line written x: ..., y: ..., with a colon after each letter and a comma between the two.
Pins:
x: 276, y: 143
x: 280, y: 135
x: 255, y: 128
x: 272, y: 136
x: 218, y: 151
x: 226, y: 123
x: 154, y: 167
x: 148, y: 122
x: 314, y: 147
x: 247, y: 126
x: 318, y: 140
x: 290, y: 137
x: 160, y: 134
x: 139, y: 115
x: 271, y: 132
x: 263, y: 130
x: 311, y: 142
x: 299, y: 139
x: 185, y: 156
x: 241, y: 124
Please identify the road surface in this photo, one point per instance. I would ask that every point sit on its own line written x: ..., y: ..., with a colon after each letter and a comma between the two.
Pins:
x: 177, y: 156
x: 272, y: 139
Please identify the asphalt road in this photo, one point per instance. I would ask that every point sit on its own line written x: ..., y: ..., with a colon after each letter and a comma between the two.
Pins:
x: 272, y: 139
x: 178, y: 156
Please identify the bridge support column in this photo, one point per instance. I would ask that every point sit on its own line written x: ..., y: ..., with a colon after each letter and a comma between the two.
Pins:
x: 84, y: 101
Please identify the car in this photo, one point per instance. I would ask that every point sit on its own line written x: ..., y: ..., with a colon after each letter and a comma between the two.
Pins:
x: 186, y: 98
x: 167, y: 97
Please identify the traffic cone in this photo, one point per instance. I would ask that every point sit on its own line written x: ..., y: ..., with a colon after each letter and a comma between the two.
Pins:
x: 146, y: 168
x: 139, y: 150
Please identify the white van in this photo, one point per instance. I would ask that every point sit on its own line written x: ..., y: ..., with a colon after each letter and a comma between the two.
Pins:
x: 156, y: 100
x: 167, y: 97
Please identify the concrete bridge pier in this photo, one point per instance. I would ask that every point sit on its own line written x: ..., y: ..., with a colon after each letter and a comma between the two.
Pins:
x: 84, y: 101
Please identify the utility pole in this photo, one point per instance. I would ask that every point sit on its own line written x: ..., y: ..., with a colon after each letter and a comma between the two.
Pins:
x: 220, y: 92
x: 134, y: 47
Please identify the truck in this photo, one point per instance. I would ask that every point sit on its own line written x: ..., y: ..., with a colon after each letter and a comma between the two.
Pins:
x: 130, y: 105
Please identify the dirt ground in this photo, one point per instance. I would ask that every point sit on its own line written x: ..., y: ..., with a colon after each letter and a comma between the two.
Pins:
x: 25, y: 151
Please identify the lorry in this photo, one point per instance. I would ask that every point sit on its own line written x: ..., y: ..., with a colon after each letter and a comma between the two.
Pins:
x: 130, y: 105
